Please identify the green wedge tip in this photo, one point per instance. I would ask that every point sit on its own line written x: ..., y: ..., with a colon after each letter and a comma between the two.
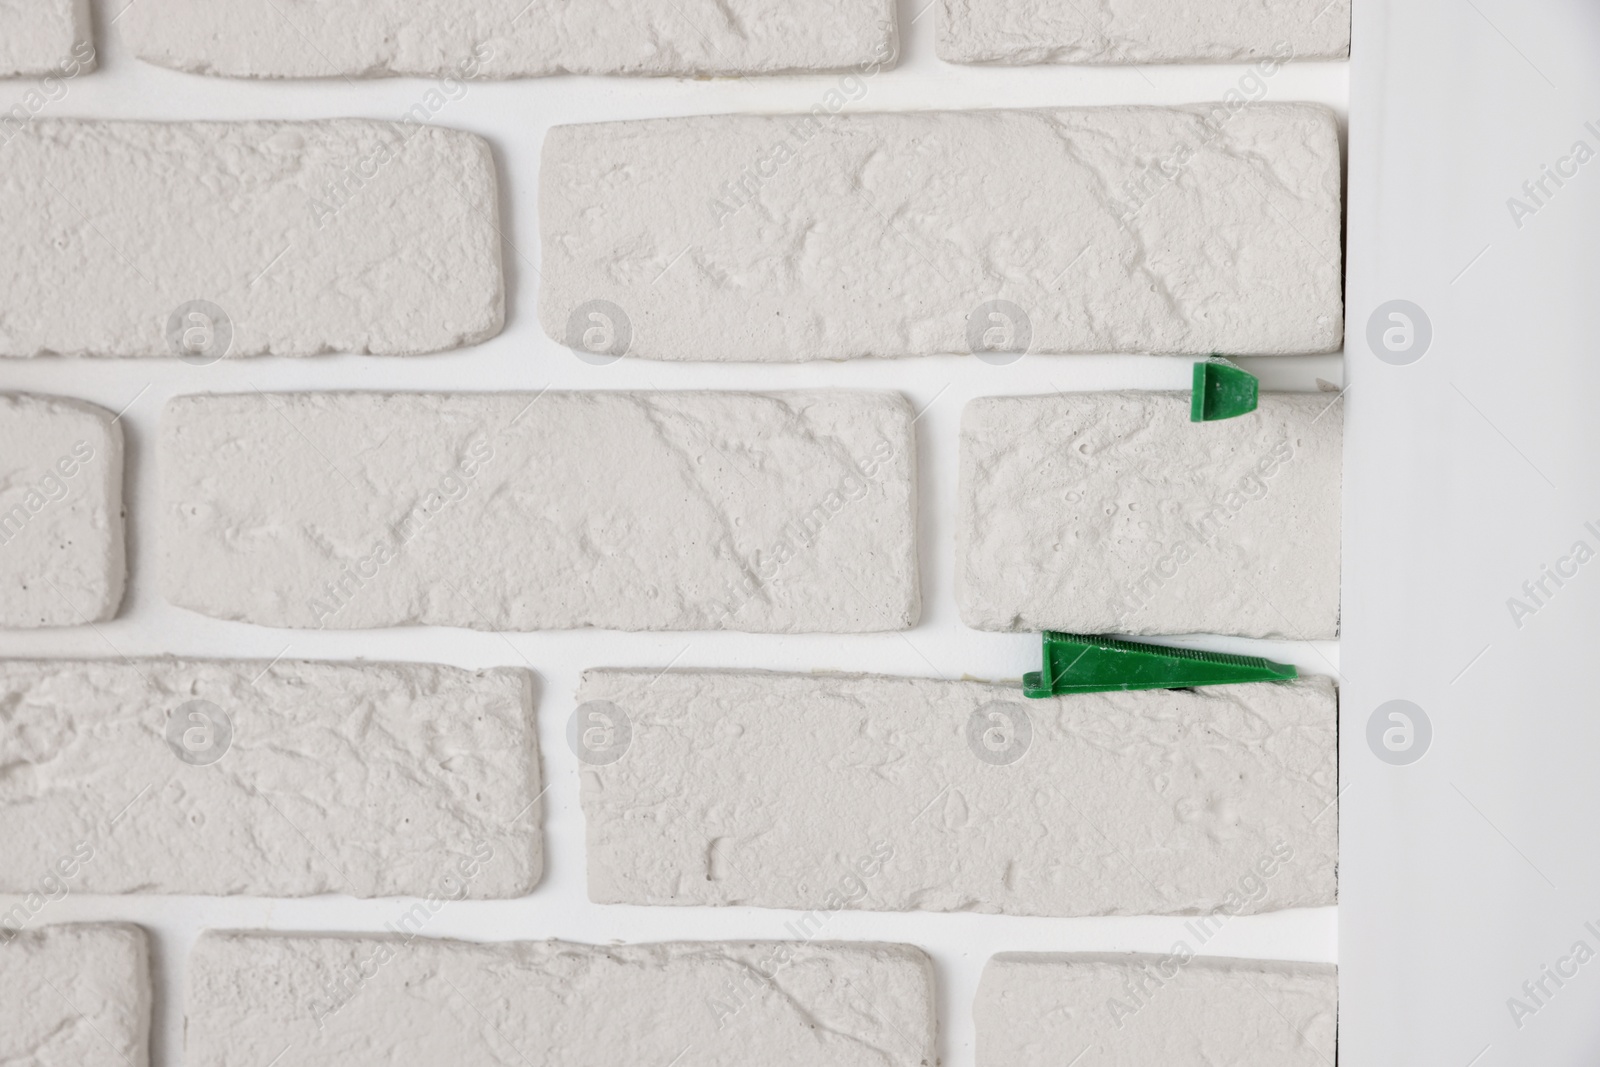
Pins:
x: 1222, y: 390
x: 1082, y: 663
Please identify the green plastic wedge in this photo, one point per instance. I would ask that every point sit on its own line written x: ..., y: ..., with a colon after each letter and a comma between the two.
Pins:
x: 1222, y: 391
x: 1080, y: 663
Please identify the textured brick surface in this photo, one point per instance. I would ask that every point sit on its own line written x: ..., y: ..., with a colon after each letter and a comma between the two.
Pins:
x: 1113, y: 513
x: 75, y: 996
x: 1179, y: 1010
x: 298, y: 779
x: 1142, y: 31
x: 783, y: 512
x: 1122, y: 229
x: 509, y: 38
x: 284, y: 238
x: 821, y: 792
x: 334, y: 1002
x: 40, y: 37
x: 61, y: 528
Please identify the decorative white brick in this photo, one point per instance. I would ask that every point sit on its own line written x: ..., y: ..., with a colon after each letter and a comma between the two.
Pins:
x: 288, y: 779
x: 1113, y: 513
x: 787, y: 512
x: 44, y: 37
x: 830, y: 236
x: 1180, y: 1009
x: 338, y: 1001
x: 206, y: 239
x: 1143, y: 31
x: 74, y: 996
x: 823, y: 792
x: 511, y: 38
x: 61, y: 543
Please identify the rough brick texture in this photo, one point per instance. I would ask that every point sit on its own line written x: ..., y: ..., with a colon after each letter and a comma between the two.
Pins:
x: 75, y: 996
x: 1113, y: 513
x: 780, y: 513
x: 821, y: 792
x: 1122, y: 229
x: 510, y: 38
x: 362, y: 1000
x: 1178, y: 1010
x: 44, y: 37
x: 61, y: 529
x: 296, y: 778
x: 205, y: 239
x: 1142, y: 31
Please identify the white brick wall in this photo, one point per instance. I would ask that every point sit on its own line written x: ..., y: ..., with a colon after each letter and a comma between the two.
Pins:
x: 631, y: 497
